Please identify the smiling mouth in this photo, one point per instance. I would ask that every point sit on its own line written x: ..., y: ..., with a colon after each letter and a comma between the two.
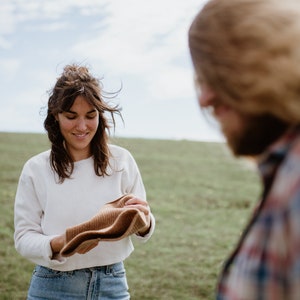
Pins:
x: 81, y: 135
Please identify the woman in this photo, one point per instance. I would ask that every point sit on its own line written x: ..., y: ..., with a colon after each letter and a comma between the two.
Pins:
x: 67, y: 185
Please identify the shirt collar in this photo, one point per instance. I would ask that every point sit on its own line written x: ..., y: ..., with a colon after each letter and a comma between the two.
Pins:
x: 276, y: 152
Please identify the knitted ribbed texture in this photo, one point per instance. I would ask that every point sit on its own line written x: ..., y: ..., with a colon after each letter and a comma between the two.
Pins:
x: 112, y: 222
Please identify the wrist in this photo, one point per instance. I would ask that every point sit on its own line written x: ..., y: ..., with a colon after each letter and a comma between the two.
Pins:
x: 145, y: 231
x: 57, y: 243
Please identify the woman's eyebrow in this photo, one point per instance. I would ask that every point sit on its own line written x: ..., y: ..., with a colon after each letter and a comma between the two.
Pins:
x: 91, y: 111
x: 75, y: 113
x: 71, y: 112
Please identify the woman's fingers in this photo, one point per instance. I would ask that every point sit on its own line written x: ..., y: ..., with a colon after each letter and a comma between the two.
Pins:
x: 138, y: 204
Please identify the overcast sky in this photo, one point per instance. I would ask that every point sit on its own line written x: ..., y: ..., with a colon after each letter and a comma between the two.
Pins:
x: 141, y: 44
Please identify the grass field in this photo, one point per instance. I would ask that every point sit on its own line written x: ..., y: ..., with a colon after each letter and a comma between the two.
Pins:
x: 201, y: 198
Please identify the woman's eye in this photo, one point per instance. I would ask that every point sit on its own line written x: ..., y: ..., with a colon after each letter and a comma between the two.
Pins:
x: 90, y: 117
x: 73, y: 116
x: 70, y: 117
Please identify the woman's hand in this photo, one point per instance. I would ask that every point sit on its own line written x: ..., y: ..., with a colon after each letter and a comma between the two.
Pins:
x: 143, y: 206
x: 57, y: 244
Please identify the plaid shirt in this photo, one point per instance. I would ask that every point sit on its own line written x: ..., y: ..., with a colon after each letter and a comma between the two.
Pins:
x: 266, y: 262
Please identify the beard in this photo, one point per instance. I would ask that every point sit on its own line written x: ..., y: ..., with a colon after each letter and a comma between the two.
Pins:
x: 256, y: 136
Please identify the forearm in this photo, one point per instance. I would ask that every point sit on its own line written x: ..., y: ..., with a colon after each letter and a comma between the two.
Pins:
x: 33, y: 246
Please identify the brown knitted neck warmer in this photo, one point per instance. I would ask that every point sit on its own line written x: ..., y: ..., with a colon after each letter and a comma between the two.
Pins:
x: 112, y: 222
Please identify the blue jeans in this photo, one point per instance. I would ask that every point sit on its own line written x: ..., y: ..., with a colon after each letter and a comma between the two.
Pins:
x: 105, y: 283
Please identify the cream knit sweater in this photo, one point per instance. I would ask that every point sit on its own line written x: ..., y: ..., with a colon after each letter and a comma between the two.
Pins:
x: 45, y: 208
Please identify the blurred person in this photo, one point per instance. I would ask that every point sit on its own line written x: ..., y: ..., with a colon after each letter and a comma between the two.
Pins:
x: 67, y: 185
x: 246, y: 57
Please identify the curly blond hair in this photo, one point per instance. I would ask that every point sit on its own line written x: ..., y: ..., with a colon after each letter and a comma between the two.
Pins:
x: 248, y: 52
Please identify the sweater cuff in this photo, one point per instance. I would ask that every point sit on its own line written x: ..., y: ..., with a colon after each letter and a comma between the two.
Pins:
x: 147, y: 236
x: 53, y: 261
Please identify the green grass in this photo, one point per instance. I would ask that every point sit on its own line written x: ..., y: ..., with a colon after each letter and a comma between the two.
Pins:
x: 200, y: 195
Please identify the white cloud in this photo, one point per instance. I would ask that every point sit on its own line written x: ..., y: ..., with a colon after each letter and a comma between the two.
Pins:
x: 142, y: 44
x: 5, y: 43
x: 51, y: 26
x: 15, y: 12
x: 171, y: 83
x: 7, y: 23
x: 9, y: 68
x: 149, y: 41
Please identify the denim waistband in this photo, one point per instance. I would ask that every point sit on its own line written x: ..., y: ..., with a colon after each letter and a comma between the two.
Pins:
x: 103, y: 269
x: 99, y: 282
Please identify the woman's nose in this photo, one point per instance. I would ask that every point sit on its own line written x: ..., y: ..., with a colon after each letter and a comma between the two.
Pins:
x: 81, y: 124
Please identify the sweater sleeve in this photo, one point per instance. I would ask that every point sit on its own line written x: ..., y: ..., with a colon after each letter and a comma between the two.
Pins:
x: 30, y: 241
x: 135, y: 186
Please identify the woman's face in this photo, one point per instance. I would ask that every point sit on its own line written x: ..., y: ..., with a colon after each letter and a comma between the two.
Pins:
x: 78, y: 127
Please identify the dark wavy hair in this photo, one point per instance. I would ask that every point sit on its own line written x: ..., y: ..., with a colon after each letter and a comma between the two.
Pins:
x: 74, y: 81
